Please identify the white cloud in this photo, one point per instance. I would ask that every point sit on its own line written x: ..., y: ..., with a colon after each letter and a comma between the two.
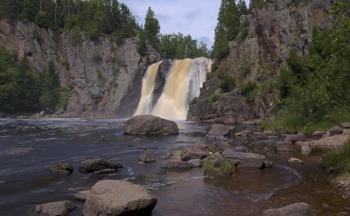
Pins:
x: 195, y: 17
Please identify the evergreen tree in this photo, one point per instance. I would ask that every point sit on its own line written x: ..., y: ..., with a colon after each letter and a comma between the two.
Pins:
x: 152, y: 28
x: 50, y: 89
x: 257, y: 4
x: 242, y: 7
x: 227, y: 28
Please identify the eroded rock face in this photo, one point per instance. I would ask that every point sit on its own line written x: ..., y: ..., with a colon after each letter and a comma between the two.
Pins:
x: 113, y: 198
x: 150, y: 125
x: 259, y: 53
x: 101, y: 72
x: 61, y: 208
x: 296, y: 209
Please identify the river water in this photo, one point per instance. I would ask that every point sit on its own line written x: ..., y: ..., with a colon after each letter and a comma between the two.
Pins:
x: 27, y: 147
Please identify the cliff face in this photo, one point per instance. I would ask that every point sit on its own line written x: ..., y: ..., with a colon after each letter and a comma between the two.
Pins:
x: 259, y: 53
x: 100, y: 72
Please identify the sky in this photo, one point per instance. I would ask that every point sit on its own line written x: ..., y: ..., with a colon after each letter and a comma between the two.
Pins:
x: 195, y: 17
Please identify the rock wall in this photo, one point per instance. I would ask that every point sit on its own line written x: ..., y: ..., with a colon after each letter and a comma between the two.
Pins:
x: 100, y: 72
x: 259, y: 53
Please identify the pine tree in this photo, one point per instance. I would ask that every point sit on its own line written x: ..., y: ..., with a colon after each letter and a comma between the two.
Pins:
x: 242, y: 7
x: 227, y: 28
x: 152, y: 29
x: 50, y: 89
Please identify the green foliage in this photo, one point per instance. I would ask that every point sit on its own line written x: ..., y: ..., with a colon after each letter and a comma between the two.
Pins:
x: 315, y: 90
x: 213, y: 98
x: 338, y: 160
x: 179, y: 46
x: 249, y: 91
x: 227, y: 28
x: 152, y: 29
x: 245, y: 69
x: 95, y: 17
x: 242, y: 7
x: 23, y: 91
x: 227, y: 83
x: 258, y: 4
x: 217, y: 169
x: 50, y: 89
x: 18, y: 85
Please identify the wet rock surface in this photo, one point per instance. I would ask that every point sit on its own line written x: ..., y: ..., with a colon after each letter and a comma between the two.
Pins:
x: 95, y: 165
x: 150, y: 125
x: 113, y: 197
x: 61, y: 208
x: 63, y: 169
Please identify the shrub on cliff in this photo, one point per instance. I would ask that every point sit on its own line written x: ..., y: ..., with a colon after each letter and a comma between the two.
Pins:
x: 227, y: 83
x: 315, y: 90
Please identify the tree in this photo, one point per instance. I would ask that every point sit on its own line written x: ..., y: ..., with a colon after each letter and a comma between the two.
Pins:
x: 257, y: 4
x: 227, y: 28
x: 152, y: 29
x: 242, y: 7
x: 50, y: 89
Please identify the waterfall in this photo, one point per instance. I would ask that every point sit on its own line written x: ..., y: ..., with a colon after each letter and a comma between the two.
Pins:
x: 148, y: 82
x: 182, y: 85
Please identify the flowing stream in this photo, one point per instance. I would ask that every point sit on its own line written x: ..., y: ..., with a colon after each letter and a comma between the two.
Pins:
x: 27, y: 147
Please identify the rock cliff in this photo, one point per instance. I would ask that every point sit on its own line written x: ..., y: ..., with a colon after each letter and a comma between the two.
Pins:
x: 258, y: 54
x: 100, y: 72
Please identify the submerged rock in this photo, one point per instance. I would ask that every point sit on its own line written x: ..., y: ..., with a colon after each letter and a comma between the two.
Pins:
x: 61, y: 169
x: 245, y: 159
x: 60, y: 208
x: 295, y: 160
x: 95, y: 165
x: 177, y: 165
x: 193, y: 153
x: 147, y: 157
x: 113, y: 198
x: 150, y: 125
x: 296, y: 209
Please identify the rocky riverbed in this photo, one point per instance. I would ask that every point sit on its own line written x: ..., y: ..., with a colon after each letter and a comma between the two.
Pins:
x: 34, y: 154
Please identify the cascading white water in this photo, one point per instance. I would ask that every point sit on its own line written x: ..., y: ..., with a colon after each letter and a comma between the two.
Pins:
x: 148, y: 83
x: 182, y: 85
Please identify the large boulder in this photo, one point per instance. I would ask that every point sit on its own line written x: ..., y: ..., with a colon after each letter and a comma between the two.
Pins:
x: 296, y: 209
x: 114, y: 197
x: 245, y: 159
x: 150, y: 125
x: 60, y: 208
x: 96, y: 165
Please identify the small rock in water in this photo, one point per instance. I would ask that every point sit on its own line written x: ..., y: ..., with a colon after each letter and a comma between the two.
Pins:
x: 177, y: 165
x: 193, y: 153
x: 245, y: 159
x: 60, y: 208
x: 218, y: 131
x: 295, y: 160
x: 61, y: 169
x: 318, y: 134
x: 113, y: 197
x: 335, y: 131
x: 243, y: 133
x: 284, y: 147
x: 147, y: 157
x: 306, y: 150
x: 95, y: 165
x: 296, y: 209
x: 267, y: 164
x: 195, y: 162
x: 292, y: 138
